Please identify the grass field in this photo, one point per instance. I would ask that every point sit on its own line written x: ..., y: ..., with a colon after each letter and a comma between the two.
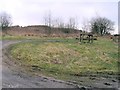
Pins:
x: 66, y: 58
x: 8, y: 37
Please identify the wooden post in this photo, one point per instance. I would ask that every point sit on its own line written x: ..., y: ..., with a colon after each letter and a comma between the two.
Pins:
x: 80, y: 37
x: 90, y: 38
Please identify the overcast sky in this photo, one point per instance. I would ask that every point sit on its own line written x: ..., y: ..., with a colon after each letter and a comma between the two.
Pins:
x: 31, y: 12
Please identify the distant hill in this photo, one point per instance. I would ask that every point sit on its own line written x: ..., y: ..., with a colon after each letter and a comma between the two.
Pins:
x: 41, y: 30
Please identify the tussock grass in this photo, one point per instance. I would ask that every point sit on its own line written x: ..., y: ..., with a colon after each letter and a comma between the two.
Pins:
x: 68, y: 58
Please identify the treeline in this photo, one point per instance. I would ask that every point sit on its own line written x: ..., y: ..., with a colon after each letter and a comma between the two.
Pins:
x: 97, y: 25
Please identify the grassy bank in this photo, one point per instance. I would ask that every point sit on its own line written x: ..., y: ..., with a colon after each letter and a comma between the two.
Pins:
x: 8, y: 37
x: 67, y: 58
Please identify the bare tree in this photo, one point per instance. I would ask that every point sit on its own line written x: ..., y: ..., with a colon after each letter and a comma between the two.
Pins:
x: 55, y: 22
x: 86, y: 25
x: 48, y: 21
x: 101, y: 25
x: 5, y: 20
x: 61, y: 25
x: 72, y: 23
x: 58, y: 22
x: 45, y: 21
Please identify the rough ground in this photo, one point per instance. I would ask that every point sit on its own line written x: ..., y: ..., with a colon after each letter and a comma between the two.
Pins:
x: 13, y: 77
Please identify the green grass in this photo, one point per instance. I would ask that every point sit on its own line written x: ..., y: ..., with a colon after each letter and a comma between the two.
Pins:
x: 67, y: 58
x: 8, y: 37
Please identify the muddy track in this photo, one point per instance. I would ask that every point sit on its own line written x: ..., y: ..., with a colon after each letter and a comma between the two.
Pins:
x: 15, y: 77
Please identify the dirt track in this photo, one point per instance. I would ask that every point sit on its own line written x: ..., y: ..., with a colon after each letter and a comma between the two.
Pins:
x: 13, y: 77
